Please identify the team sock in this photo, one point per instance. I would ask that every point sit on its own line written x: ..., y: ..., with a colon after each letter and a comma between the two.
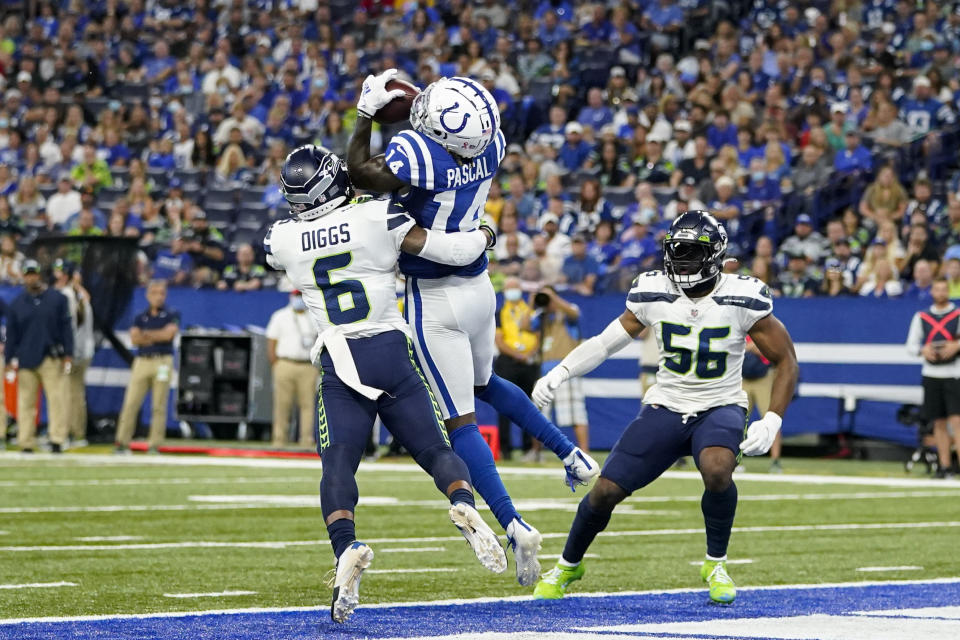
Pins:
x: 585, y: 528
x: 473, y: 449
x: 463, y: 495
x: 719, y: 509
x: 342, y: 534
x: 510, y: 400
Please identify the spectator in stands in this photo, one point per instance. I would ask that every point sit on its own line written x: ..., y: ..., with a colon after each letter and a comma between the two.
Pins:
x: 838, y: 127
x: 639, y: 252
x: 854, y: 157
x: 941, y: 370
x: 519, y: 354
x: 11, y: 261
x: 919, y: 289
x: 85, y: 224
x: 796, y: 280
x: 290, y: 336
x: 243, y: 275
x: 834, y: 283
x: 885, y: 193
x: 508, y: 230
x: 596, y: 113
x: 173, y: 264
x: 580, y: 270
x: 804, y: 240
x: 575, y: 150
x: 64, y: 203
x: 39, y: 348
x: 588, y: 210
x: 888, y: 131
x: 811, y: 173
x: 653, y: 168
x: 67, y: 280
x: 27, y: 203
x: 552, y: 134
x: 251, y: 129
x: 153, y: 334
x: 919, y: 248
x: 698, y: 167
x: 924, y: 202
x: 605, y: 251
x: 92, y: 171
x: 548, y: 266
x: 722, y: 132
x: 951, y: 272
x: 558, y: 323
x: 882, y: 281
x: 614, y: 171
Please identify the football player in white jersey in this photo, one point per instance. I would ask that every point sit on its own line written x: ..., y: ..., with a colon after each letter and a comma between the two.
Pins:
x: 441, y: 171
x: 701, y: 317
x: 341, y: 253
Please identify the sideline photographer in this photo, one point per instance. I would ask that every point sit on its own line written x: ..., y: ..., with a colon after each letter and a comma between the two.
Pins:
x: 934, y: 335
x: 557, y: 322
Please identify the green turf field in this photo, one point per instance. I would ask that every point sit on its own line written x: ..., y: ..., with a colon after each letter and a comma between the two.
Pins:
x: 219, y: 525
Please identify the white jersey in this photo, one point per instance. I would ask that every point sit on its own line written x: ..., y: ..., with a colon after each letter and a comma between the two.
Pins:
x: 701, y: 341
x: 344, y: 263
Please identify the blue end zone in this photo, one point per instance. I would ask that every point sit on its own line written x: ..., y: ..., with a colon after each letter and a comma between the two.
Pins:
x: 567, y: 615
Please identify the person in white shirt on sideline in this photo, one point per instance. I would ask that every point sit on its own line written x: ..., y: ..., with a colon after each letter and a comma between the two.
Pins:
x: 67, y: 281
x: 290, y: 336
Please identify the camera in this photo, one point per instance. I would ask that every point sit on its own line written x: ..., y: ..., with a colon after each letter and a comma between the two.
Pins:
x: 541, y: 300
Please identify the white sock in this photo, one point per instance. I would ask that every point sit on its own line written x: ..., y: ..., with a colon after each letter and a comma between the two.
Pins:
x: 721, y: 559
x: 567, y: 564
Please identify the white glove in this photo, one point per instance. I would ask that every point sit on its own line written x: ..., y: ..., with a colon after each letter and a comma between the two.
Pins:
x: 546, y: 386
x: 374, y: 95
x: 761, y: 434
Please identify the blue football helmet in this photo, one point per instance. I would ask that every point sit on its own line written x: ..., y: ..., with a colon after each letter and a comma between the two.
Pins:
x: 314, y: 181
x: 694, y: 249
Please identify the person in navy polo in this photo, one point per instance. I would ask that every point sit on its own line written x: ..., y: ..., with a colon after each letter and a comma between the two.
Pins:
x: 40, y: 352
x: 153, y: 333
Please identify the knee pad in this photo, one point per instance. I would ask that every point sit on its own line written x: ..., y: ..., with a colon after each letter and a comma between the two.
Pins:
x: 338, y: 487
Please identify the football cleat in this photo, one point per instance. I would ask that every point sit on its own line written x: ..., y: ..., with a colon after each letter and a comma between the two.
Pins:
x: 346, y: 585
x: 722, y: 588
x: 580, y: 468
x: 553, y: 585
x: 479, y: 536
x: 525, y: 542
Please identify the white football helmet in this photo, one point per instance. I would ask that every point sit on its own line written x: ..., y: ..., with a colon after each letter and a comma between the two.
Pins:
x: 458, y: 113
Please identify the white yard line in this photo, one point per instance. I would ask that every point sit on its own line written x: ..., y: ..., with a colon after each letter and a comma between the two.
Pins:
x: 201, y: 544
x: 699, y: 563
x: 311, y: 501
x: 123, y: 482
x: 423, y: 570
x: 411, y: 550
x: 93, y: 460
x: 38, y: 585
x: 462, y: 601
x: 216, y: 594
x: 881, y: 569
x: 108, y: 538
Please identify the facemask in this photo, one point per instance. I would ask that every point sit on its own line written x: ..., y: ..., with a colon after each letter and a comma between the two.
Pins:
x: 297, y: 303
x: 758, y: 176
x: 512, y: 295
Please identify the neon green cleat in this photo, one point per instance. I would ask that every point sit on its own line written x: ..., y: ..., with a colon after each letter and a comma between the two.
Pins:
x: 553, y: 584
x: 722, y: 588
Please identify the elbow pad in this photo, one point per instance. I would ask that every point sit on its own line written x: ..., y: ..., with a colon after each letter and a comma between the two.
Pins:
x: 458, y: 249
x: 589, y: 355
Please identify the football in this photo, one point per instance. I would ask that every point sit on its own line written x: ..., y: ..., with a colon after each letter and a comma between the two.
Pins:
x: 397, y: 109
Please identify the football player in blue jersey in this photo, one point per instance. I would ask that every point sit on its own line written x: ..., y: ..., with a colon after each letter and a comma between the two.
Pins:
x: 441, y: 171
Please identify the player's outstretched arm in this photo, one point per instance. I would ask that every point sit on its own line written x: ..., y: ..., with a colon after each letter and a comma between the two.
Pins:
x: 366, y: 172
x: 459, y: 249
x: 775, y: 344
x: 588, y: 356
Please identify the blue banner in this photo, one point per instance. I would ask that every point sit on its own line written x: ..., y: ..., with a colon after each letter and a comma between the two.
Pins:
x: 854, y: 369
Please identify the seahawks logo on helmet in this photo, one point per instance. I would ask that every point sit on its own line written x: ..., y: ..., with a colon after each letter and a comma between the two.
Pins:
x: 694, y: 248
x: 314, y: 181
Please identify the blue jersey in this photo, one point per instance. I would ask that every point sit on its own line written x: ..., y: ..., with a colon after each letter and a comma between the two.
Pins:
x: 923, y: 115
x: 444, y: 195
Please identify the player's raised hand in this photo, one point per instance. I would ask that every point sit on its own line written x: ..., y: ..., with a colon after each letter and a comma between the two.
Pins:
x: 761, y: 434
x: 374, y: 95
x: 547, y: 385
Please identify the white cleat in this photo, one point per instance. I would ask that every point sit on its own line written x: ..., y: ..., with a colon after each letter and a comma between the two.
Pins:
x: 480, y: 537
x: 525, y: 542
x: 580, y: 468
x: 346, y: 585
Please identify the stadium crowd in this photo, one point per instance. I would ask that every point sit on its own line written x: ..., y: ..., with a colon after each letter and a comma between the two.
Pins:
x: 823, y: 134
